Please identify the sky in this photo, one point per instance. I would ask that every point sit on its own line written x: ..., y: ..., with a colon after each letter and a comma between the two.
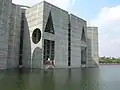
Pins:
x: 105, y: 14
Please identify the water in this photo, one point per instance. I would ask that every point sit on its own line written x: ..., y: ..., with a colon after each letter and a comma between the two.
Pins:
x: 103, y: 78
x: 110, y: 77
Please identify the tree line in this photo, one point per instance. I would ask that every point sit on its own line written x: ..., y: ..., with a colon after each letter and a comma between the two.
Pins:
x: 109, y: 60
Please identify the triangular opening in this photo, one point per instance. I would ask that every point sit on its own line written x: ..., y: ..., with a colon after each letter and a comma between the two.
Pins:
x: 49, y: 26
x: 83, y: 38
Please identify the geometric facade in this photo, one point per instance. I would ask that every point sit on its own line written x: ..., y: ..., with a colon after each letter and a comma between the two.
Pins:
x: 45, y: 32
x: 92, y: 33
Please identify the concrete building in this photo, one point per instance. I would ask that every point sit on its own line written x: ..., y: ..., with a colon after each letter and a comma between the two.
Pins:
x: 44, y: 32
x: 4, y: 28
x: 9, y: 34
x: 14, y: 36
x: 92, y: 33
x: 10, y: 31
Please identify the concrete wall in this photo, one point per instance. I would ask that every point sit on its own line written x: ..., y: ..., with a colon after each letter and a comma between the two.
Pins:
x: 14, y: 36
x: 26, y: 55
x: 5, y: 6
x: 93, y: 54
x: 10, y: 22
x: 34, y: 19
x: 77, y: 25
x: 60, y: 24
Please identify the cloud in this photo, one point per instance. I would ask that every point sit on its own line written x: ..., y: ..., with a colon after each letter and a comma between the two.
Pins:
x: 64, y: 4
x: 108, y: 21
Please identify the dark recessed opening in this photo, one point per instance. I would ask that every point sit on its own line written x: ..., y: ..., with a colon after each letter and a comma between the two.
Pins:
x: 36, y: 35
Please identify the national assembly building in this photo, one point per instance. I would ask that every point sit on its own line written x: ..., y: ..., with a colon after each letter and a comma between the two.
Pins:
x: 31, y: 37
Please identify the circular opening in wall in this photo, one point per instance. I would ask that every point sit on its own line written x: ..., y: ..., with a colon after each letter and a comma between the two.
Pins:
x: 36, y: 35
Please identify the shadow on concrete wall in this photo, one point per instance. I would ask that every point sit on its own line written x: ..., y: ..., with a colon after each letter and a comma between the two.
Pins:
x: 37, y: 58
x: 91, y: 61
x: 26, y: 46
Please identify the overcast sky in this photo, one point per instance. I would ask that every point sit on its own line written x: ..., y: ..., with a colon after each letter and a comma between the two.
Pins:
x: 102, y: 13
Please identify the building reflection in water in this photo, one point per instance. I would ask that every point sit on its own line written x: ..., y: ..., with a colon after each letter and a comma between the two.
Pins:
x: 61, y: 79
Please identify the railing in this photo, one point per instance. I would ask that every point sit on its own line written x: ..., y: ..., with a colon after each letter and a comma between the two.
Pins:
x: 49, y: 64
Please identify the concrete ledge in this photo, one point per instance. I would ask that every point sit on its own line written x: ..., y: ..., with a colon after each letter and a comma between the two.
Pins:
x: 92, y: 66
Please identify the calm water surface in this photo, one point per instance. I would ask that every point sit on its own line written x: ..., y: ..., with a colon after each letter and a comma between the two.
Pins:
x: 107, y: 77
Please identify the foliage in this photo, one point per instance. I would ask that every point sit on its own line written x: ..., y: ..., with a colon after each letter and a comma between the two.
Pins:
x: 109, y: 60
